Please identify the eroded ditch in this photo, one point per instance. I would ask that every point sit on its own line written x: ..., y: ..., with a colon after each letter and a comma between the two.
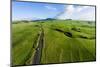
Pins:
x: 70, y: 34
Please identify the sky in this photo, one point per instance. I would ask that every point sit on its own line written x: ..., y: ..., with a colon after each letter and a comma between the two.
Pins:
x: 35, y: 11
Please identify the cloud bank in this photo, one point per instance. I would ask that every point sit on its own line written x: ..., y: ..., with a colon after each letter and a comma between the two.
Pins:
x: 78, y: 13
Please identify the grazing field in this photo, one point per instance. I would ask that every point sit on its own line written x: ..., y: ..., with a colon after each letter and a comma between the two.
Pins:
x: 63, y: 41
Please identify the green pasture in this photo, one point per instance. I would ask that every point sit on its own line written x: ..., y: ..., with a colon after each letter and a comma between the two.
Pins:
x: 64, y: 41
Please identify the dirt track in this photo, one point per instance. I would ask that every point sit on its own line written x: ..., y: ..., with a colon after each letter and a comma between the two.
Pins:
x: 38, y: 53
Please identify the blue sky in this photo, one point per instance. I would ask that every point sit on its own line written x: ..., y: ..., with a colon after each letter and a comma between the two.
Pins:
x: 34, y: 11
x: 28, y: 10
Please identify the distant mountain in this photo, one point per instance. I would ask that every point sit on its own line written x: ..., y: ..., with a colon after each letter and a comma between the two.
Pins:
x: 50, y: 19
x: 34, y: 19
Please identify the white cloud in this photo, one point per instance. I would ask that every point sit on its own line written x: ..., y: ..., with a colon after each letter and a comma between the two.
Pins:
x: 81, y: 8
x: 69, y: 10
x: 88, y: 16
x: 78, y: 12
x: 50, y: 7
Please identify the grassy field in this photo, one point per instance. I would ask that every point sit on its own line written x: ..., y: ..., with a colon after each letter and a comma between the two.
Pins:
x: 23, y: 42
x: 64, y: 41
